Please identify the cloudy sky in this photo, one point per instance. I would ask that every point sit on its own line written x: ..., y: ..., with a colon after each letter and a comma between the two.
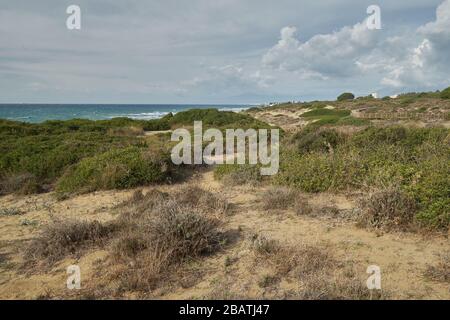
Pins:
x: 221, y: 51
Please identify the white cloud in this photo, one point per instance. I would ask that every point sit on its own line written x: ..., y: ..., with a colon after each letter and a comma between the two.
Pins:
x: 324, y: 55
x: 404, y: 60
x: 426, y: 64
x: 229, y: 78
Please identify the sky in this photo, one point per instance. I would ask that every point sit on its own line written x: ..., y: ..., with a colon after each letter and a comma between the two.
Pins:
x: 221, y: 51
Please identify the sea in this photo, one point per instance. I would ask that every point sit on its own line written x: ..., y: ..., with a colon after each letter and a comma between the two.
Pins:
x: 36, y: 113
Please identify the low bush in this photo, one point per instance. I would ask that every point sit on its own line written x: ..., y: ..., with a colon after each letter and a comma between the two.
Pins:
x: 126, y: 131
x: 441, y: 270
x: 302, y: 261
x: 281, y: 198
x: 314, y: 267
x: 346, y: 96
x: 20, y: 183
x: 235, y: 174
x: 388, y: 209
x: 351, y: 121
x: 445, y: 94
x: 342, y: 287
x: 46, y: 150
x: 9, y: 212
x: 317, y: 113
x: 217, y: 119
x: 114, y: 169
x: 63, y: 238
x: 201, y: 199
x: 322, y: 140
x: 41, y: 159
x: 161, y: 231
x: 414, y: 160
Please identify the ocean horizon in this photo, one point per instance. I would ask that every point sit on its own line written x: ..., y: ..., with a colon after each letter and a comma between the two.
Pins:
x: 37, y: 113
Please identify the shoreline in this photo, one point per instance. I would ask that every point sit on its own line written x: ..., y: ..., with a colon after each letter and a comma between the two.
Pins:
x: 39, y: 113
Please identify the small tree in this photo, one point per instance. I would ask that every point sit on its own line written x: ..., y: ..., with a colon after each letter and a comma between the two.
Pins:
x: 346, y: 96
x: 445, y: 94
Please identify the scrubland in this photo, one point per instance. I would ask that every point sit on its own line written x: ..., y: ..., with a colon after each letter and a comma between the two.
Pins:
x: 351, y: 192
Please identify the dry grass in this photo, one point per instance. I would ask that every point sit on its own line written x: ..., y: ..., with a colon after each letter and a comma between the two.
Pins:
x: 243, y: 175
x: 202, y: 199
x: 153, y: 237
x: 318, y: 273
x: 140, y: 202
x: 301, y: 260
x: 182, y: 230
x: 388, y: 209
x: 160, y: 232
x: 281, y: 198
x: 326, y: 287
x: 23, y: 184
x: 7, y: 212
x: 63, y: 238
x: 441, y: 270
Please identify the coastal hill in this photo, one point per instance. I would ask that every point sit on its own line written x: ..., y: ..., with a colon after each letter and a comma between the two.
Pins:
x: 362, y: 182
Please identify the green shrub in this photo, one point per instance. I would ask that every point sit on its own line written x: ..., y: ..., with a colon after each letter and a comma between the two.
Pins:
x: 217, y: 119
x: 351, y: 121
x: 318, y: 113
x: 416, y: 160
x: 308, y: 172
x: 114, y: 169
x: 235, y: 174
x: 445, y: 94
x: 43, y: 152
x: 63, y: 238
x: 321, y: 116
x: 323, y: 140
x: 389, y: 135
x: 46, y: 156
x: 346, y: 96
x: 406, y: 101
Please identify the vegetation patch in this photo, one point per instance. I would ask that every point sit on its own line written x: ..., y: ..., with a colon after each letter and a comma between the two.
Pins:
x: 441, y: 270
x: 64, y: 238
x: 414, y: 160
x: 8, y: 212
x: 316, y: 140
x: 314, y: 267
x: 346, y: 96
x: 388, y: 209
x: 34, y: 156
x: 445, y: 94
x: 28, y: 164
x: 235, y: 174
x: 321, y: 112
x: 159, y: 232
x: 282, y: 198
x: 114, y: 169
x: 216, y: 119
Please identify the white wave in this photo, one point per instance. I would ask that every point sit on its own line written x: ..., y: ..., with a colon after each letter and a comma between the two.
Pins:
x: 160, y: 114
x: 141, y: 116
x: 234, y: 109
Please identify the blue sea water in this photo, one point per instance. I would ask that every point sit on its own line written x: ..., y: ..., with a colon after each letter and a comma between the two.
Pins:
x: 42, y: 112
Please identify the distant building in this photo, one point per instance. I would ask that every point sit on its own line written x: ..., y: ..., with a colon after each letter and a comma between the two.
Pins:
x: 374, y: 95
